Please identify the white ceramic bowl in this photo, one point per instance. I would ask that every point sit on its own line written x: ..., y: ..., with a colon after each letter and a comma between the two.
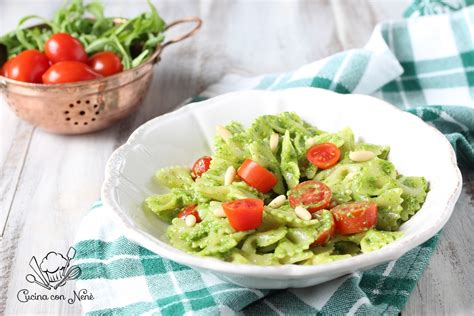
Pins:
x: 178, y: 138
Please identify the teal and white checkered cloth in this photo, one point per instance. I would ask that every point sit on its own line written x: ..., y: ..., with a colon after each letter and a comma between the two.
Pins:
x: 424, y: 65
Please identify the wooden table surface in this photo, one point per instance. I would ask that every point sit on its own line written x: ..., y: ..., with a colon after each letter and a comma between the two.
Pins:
x: 48, y: 182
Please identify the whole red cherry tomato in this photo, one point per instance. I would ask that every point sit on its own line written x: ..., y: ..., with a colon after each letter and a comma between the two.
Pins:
x: 28, y: 66
x: 4, y: 66
x: 64, y: 47
x: 106, y: 63
x: 69, y: 71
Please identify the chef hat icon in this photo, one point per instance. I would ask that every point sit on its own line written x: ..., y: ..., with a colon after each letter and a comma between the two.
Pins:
x: 54, y: 265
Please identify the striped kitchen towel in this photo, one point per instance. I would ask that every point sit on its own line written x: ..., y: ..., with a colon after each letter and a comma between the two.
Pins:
x: 424, y: 65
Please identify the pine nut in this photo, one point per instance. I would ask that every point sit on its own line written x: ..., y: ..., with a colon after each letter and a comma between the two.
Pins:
x: 310, y: 142
x: 274, y: 142
x: 229, y: 175
x: 361, y: 155
x: 302, y: 213
x: 277, y: 202
x: 223, y: 132
x: 190, y: 220
x: 219, y: 212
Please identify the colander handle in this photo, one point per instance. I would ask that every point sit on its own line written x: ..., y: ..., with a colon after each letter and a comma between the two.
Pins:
x: 189, y: 19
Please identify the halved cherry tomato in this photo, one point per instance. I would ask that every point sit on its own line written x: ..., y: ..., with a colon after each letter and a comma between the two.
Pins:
x: 28, y: 66
x: 245, y: 214
x: 312, y: 194
x: 355, y: 217
x: 106, y: 63
x: 257, y: 176
x: 328, y: 230
x: 324, y: 156
x: 200, y: 166
x: 190, y: 210
x: 64, y: 47
x: 69, y: 71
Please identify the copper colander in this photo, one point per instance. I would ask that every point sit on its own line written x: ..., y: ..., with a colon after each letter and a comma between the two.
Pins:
x: 83, y: 107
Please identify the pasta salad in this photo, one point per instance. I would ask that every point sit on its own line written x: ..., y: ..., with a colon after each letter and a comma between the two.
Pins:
x: 284, y: 192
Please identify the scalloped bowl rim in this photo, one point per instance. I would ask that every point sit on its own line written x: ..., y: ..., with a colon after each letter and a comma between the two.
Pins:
x: 283, y: 272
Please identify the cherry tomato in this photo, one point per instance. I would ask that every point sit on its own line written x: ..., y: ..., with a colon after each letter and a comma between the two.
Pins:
x: 106, y: 63
x: 245, y: 214
x: 69, y: 71
x: 312, y: 195
x: 200, y: 166
x: 324, y: 156
x: 328, y: 229
x: 257, y: 176
x: 64, y: 47
x: 190, y: 210
x: 4, y: 67
x: 355, y: 217
x: 28, y: 66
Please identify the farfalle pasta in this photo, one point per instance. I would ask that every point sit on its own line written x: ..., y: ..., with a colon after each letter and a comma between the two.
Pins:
x: 333, y: 197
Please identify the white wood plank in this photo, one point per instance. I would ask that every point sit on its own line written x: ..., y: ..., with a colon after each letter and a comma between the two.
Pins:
x: 356, y: 19
x: 12, y: 167
x: 385, y: 10
x: 446, y: 287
